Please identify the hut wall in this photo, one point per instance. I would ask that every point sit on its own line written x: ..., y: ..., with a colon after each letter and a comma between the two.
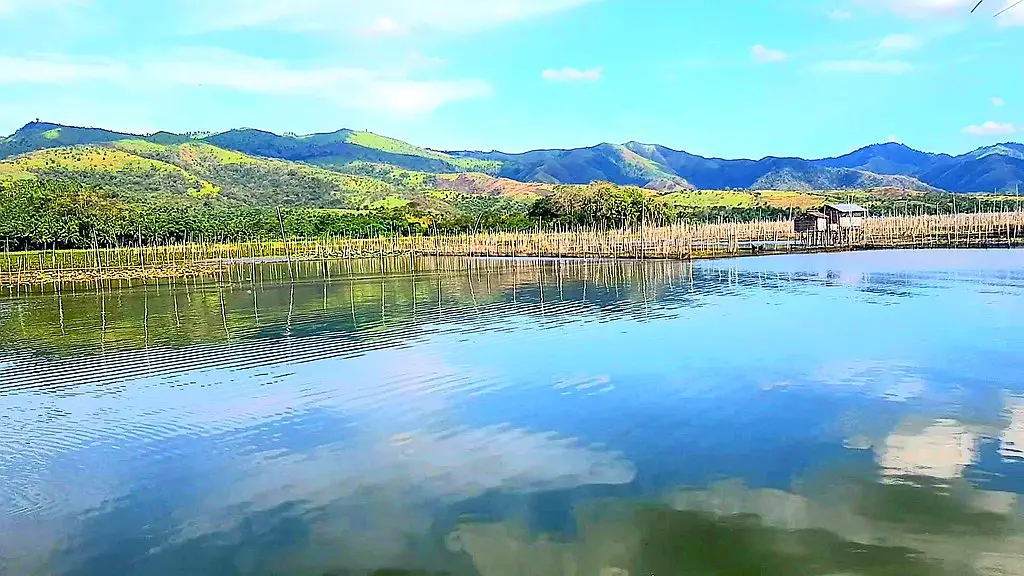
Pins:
x: 851, y: 221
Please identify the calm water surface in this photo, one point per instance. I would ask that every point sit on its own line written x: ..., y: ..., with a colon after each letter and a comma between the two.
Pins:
x: 820, y: 415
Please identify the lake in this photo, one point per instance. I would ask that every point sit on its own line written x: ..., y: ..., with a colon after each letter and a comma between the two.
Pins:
x: 858, y: 413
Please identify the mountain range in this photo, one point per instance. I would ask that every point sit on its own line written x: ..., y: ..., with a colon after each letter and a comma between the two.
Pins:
x: 349, y: 168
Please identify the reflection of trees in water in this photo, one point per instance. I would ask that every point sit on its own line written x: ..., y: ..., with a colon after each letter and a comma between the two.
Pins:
x: 910, y: 525
x: 251, y: 301
x: 886, y: 274
x: 838, y: 528
x: 828, y: 526
x: 346, y: 310
x: 354, y: 296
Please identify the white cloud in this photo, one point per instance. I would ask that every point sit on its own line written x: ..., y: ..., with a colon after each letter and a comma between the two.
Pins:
x: 572, y: 75
x: 899, y: 43
x: 997, y: 101
x: 941, y: 449
x: 934, y: 9
x: 388, y: 464
x: 349, y: 15
x: 1011, y: 441
x: 892, y: 139
x: 420, y: 60
x: 385, y: 26
x: 920, y: 9
x: 866, y: 66
x: 348, y: 87
x: 839, y: 15
x: 764, y: 54
x: 991, y: 128
x: 418, y: 97
x: 55, y: 69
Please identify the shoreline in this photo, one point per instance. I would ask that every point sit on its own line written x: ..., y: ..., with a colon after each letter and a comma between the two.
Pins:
x: 679, y: 242
x: 214, y: 268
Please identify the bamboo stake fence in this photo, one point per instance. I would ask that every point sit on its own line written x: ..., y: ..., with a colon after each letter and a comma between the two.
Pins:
x: 680, y: 241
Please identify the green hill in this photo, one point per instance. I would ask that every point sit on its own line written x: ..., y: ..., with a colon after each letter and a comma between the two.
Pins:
x: 187, y: 172
x: 604, y: 162
x: 76, y: 187
x: 331, y: 149
x: 651, y: 166
x: 195, y: 172
x: 661, y: 168
x: 240, y: 178
x: 338, y: 149
x: 165, y: 166
x: 141, y: 170
x: 42, y: 135
x: 118, y: 172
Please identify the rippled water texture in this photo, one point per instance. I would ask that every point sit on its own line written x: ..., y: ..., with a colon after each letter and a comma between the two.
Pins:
x: 830, y: 414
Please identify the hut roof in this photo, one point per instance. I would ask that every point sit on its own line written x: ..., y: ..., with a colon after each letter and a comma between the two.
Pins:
x: 816, y: 213
x: 846, y: 207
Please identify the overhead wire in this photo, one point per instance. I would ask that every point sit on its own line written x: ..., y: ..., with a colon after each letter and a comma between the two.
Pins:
x: 1017, y: 3
x: 997, y: 14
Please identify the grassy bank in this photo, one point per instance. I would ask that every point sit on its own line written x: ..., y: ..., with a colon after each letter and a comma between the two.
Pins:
x: 680, y: 241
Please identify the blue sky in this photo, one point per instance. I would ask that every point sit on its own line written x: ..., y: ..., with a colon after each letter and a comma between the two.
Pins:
x: 731, y: 78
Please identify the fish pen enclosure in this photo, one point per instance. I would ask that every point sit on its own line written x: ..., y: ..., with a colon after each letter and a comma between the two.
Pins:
x: 679, y: 241
x: 833, y: 225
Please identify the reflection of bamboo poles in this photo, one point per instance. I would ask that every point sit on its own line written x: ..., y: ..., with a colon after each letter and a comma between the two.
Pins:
x: 204, y: 317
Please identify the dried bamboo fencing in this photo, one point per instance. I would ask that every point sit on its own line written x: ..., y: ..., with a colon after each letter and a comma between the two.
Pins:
x: 679, y: 241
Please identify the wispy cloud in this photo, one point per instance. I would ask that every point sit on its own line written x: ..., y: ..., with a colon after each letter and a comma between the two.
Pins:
x: 384, y: 26
x: 840, y: 15
x: 899, y: 43
x: 572, y: 74
x: 1013, y: 14
x: 420, y: 60
x: 57, y: 69
x: 997, y: 101
x: 991, y: 128
x: 949, y: 9
x: 350, y: 87
x: 865, y: 66
x: 922, y: 9
x: 764, y: 54
x: 201, y: 68
x: 330, y: 16
x: 10, y: 7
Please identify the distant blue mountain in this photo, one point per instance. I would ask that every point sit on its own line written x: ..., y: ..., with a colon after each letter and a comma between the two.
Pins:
x: 991, y: 168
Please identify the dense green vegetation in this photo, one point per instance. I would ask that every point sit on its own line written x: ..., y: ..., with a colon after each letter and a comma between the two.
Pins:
x: 141, y: 170
x: 78, y: 187
x: 64, y: 213
x: 601, y: 204
x: 42, y: 213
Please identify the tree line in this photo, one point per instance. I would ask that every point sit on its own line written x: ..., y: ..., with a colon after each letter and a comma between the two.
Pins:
x: 54, y: 213
x: 64, y: 213
x: 57, y: 213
